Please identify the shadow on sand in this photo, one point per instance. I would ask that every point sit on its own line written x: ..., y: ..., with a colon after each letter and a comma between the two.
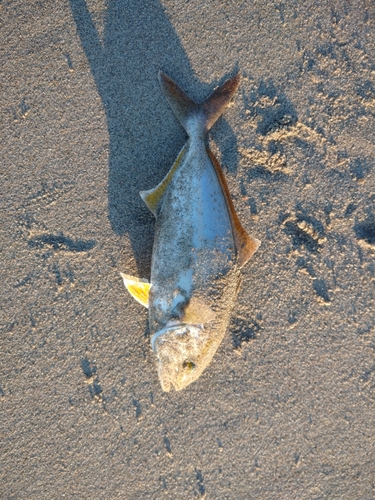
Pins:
x: 137, y: 42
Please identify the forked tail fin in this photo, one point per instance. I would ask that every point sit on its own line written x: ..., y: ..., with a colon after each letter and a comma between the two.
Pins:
x: 196, y: 117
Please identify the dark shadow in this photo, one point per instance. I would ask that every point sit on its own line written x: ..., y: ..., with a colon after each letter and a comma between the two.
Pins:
x: 243, y: 330
x: 138, y: 40
x: 306, y: 231
x: 200, y: 482
x: 303, y: 216
x: 138, y: 408
x: 304, y: 263
x: 226, y: 141
x: 321, y: 290
x: 89, y: 370
x: 359, y: 168
x: 301, y: 238
x: 61, y: 242
x: 351, y: 208
x: 260, y: 172
x: 167, y: 444
x: 272, y: 107
x: 366, y: 89
x: 365, y: 230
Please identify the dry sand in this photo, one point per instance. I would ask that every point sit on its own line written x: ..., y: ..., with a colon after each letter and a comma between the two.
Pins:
x: 286, y: 409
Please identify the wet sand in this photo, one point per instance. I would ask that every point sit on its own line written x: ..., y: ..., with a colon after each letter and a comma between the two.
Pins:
x: 286, y: 408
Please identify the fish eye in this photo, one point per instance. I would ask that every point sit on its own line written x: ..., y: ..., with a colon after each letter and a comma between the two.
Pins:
x: 188, y: 365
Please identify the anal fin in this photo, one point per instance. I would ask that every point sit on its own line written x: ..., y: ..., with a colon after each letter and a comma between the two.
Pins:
x: 153, y: 196
x: 246, y: 245
x: 138, y: 289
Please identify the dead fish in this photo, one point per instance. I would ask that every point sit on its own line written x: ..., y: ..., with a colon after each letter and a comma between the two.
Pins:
x: 199, y: 247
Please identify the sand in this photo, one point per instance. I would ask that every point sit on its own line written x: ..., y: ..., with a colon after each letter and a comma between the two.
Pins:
x: 286, y: 409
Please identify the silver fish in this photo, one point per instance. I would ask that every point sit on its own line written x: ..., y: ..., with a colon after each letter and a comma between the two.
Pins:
x: 199, y: 247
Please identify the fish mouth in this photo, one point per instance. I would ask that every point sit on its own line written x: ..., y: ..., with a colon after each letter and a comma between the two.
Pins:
x: 176, y: 326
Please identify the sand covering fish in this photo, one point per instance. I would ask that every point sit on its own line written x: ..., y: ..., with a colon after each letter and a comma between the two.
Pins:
x: 199, y: 248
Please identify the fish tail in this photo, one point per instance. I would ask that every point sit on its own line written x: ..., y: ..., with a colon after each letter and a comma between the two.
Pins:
x: 193, y: 116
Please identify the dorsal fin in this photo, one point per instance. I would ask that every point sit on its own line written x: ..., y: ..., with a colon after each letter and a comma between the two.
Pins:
x: 245, y: 244
x: 138, y: 289
x: 153, y: 196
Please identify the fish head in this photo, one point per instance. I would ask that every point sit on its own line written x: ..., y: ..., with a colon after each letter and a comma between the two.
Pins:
x: 182, y: 352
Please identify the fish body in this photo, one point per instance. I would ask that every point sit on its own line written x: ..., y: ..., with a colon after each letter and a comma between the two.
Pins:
x: 199, y: 247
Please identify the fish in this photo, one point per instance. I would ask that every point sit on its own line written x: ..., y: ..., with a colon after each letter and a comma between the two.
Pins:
x: 199, y: 250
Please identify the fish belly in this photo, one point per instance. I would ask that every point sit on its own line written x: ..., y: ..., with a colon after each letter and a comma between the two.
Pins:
x: 194, y: 248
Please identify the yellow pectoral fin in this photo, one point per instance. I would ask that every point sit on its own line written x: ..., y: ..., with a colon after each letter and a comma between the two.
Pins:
x: 139, y: 289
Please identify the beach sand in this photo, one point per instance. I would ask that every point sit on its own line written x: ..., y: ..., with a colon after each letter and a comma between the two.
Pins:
x: 286, y: 408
